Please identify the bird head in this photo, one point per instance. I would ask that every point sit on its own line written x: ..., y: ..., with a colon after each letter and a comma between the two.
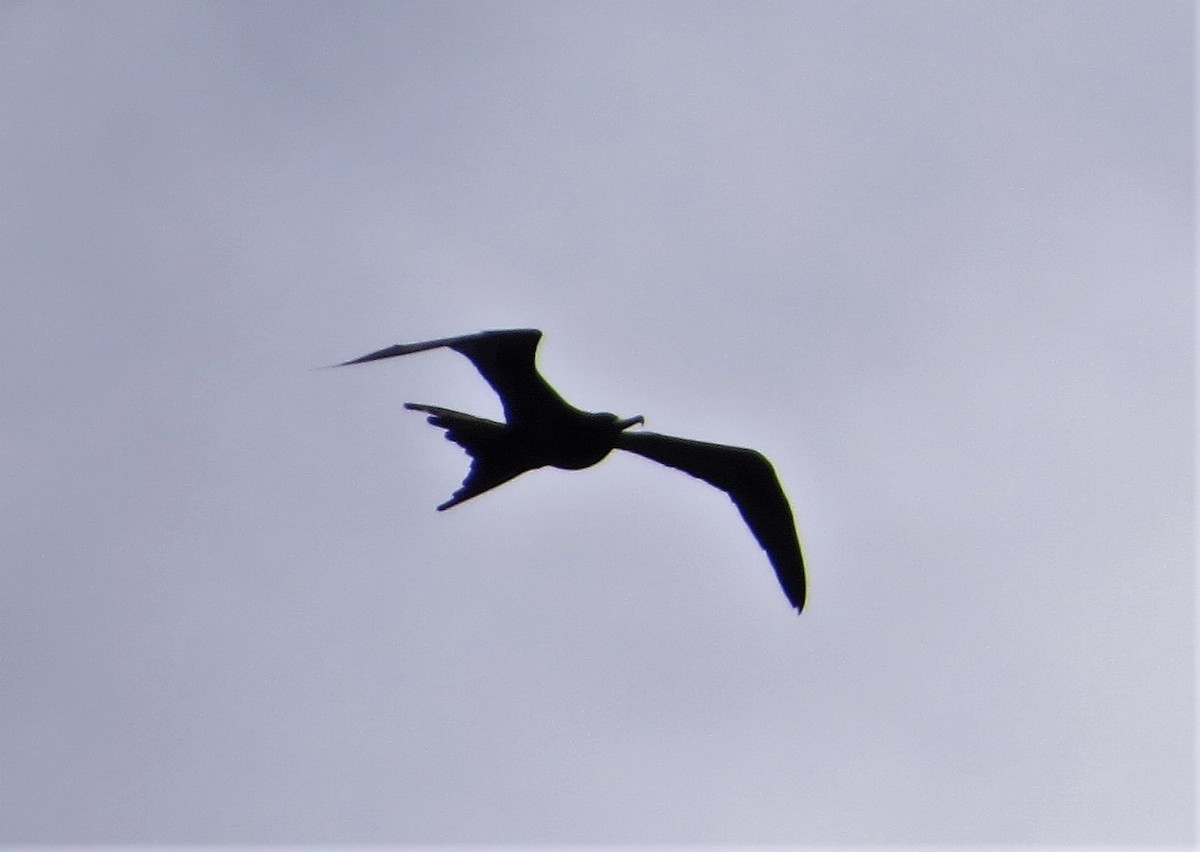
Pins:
x: 608, y: 424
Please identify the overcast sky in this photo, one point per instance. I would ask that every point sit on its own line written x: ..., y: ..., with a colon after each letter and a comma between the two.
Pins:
x: 934, y: 259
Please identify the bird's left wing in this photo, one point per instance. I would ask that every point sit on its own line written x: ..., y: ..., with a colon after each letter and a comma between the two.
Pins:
x: 506, y: 360
x: 750, y: 481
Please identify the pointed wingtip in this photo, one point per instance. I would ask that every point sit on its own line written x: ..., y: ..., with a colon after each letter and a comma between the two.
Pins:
x: 391, y: 352
x: 343, y: 363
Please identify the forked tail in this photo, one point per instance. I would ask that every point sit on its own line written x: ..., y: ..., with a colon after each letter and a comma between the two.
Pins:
x: 486, y: 442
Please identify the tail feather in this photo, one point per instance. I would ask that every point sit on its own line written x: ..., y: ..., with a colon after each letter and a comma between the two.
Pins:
x: 485, y: 441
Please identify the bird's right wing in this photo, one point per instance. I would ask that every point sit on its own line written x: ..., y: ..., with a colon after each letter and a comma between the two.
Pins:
x: 750, y: 481
x: 505, y: 359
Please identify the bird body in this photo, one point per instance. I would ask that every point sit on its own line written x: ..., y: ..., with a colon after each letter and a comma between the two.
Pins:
x: 541, y: 429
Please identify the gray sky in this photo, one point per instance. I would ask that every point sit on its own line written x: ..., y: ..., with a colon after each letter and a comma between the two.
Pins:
x: 933, y: 258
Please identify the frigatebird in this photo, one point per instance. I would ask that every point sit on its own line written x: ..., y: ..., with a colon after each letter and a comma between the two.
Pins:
x: 542, y: 429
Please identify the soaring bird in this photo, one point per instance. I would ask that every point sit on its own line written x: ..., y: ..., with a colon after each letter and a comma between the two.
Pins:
x: 542, y: 429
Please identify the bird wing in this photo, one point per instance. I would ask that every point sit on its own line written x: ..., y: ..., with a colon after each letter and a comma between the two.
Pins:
x: 505, y: 359
x: 750, y: 481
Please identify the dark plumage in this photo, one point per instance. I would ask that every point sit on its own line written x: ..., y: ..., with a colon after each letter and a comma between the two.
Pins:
x: 542, y: 429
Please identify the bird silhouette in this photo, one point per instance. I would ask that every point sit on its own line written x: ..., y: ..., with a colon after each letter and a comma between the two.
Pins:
x: 542, y: 429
